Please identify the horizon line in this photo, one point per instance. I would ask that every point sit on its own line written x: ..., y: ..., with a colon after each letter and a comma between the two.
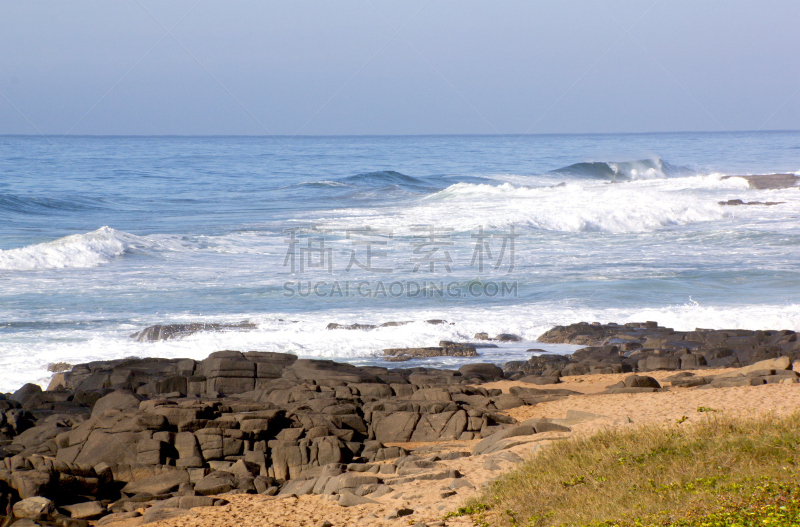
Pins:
x: 394, y: 135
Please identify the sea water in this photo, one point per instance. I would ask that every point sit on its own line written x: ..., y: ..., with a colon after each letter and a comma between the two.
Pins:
x: 101, y: 237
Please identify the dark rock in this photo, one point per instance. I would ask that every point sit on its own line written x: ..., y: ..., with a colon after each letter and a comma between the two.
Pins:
x: 435, y: 377
x: 334, y: 325
x: 88, y: 510
x: 524, y: 392
x: 318, y: 370
x: 770, y: 181
x: 117, y: 517
x: 171, y: 331
x: 735, y: 202
x: 507, y: 401
x: 436, y: 351
x: 485, y: 445
x: 508, y: 337
x: 654, y: 362
x: 32, y: 483
x: 398, y: 358
x: 541, y: 425
x: 538, y: 379
x: 215, y: 483
x: 399, y: 513
x: 538, y: 364
x: 348, y: 499
x: 159, y: 484
x: 349, y: 482
x: 728, y: 382
x: 485, y: 372
x: 636, y: 381
x: 34, y: 508
x: 157, y: 514
x: 121, y: 400
x: 24, y: 394
x: 395, y: 427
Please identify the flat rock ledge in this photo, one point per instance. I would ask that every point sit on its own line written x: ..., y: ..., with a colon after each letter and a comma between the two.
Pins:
x: 735, y: 202
x: 173, y: 331
x: 444, y: 349
x: 646, y: 346
x: 770, y: 181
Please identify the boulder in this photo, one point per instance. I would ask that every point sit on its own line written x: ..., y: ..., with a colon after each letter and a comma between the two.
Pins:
x: 191, y: 502
x: 348, y: 482
x: 636, y: 381
x: 27, y: 392
x: 348, y: 499
x: 158, y: 484
x: 540, y: 380
x: 88, y: 510
x: 485, y: 445
x: 215, y: 483
x: 781, y: 363
x: 485, y: 372
x: 119, y: 400
x: 32, y: 483
x: 113, y: 449
x: 439, y: 427
x: 34, y: 508
x: 395, y: 427
x: 542, y: 425
x: 507, y: 401
x: 655, y: 362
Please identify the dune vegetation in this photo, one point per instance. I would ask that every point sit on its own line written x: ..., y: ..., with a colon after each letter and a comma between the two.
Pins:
x: 722, y: 471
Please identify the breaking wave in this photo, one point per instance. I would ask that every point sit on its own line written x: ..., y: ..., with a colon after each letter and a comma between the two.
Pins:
x: 626, y: 170
x: 77, y: 251
x: 637, y: 206
x: 384, y: 178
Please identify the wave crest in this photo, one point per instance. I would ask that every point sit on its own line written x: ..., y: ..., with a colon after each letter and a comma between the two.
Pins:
x: 638, y: 206
x: 655, y: 168
x: 383, y: 178
x: 78, y: 251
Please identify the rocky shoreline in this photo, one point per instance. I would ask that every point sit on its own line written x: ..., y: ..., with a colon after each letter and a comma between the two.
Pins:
x: 148, y: 439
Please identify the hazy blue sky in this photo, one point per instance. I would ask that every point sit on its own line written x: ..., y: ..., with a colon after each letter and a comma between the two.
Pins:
x: 410, y: 67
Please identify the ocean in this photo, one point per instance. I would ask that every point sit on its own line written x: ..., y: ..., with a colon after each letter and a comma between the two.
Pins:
x: 101, y: 237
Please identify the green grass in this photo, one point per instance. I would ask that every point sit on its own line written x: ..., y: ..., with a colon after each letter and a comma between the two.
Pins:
x: 720, y: 472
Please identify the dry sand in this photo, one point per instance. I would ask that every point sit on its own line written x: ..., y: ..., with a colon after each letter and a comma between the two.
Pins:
x: 425, y: 497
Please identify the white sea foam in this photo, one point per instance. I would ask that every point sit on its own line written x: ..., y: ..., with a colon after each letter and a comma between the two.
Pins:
x: 75, y: 251
x: 627, y: 207
x: 306, y: 335
x: 81, y: 251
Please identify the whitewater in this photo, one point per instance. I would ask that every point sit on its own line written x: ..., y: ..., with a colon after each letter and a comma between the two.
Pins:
x: 102, y: 237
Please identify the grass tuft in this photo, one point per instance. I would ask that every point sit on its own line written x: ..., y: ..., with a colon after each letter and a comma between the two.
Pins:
x: 723, y: 471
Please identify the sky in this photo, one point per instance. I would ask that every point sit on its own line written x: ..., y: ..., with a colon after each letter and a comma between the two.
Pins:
x: 361, y: 67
